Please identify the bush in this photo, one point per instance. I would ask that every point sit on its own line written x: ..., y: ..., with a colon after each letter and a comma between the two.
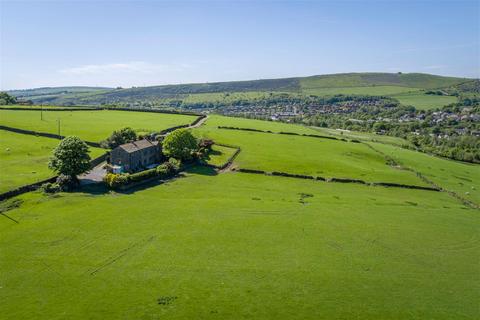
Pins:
x: 169, y: 168
x: 142, y: 175
x: 116, y: 180
x: 66, y: 183
x: 177, y: 164
x: 50, y: 187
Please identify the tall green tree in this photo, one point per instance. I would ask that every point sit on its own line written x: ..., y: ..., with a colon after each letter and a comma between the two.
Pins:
x: 70, y: 157
x: 5, y: 98
x: 180, y: 144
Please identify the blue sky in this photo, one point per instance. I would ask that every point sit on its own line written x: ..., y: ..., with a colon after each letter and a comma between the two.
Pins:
x: 137, y: 43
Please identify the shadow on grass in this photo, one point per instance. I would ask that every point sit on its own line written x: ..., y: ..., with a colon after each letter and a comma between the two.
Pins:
x: 202, y: 170
x: 93, y: 189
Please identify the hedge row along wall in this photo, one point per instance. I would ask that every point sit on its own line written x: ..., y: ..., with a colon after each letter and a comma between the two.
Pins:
x: 337, y: 180
x: 34, y: 186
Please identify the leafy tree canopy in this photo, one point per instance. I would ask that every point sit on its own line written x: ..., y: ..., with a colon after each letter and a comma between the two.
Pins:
x: 180, y: 144
x: 5, y: 98
x: 119, y: 137
x: 70, y: 157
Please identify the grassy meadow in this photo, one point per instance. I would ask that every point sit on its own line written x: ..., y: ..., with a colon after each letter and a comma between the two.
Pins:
x: 462, y: 178
x: 424, y: 101
x: 219, y: 155
x: 286, y: 153
x: 24, y: 159
x: 90, y: 125
x: 241, y: 246
x: 233, y: 245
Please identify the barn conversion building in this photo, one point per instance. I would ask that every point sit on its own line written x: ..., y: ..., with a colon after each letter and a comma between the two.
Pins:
x: 136, y: 155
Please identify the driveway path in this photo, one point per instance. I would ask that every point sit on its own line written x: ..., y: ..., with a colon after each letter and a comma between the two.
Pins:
x: 93, y: 176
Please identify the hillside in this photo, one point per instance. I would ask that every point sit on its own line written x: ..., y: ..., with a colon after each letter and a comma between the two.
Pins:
x: 348, y: 83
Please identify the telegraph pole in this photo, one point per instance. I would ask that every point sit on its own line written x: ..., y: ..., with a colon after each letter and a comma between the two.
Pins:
x: 41, y: 113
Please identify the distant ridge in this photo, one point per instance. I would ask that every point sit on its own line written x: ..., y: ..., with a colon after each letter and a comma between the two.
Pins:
x: 306, y: 85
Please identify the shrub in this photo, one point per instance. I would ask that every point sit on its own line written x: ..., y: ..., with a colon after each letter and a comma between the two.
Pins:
x: 66, y: 183
x: 162, y: 171
x: 116, y: 180
x: 50, y: 187
x: 142, y: 175
x: 168, y: 168
x: 177, y: 164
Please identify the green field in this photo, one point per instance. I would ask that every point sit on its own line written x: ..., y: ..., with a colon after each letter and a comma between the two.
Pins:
x: 462, y: 178
x: 24, y: 159
x: 215, y: 120
x: 325, y: 157
x: 362, y: 136
x: 239, y: 247
x: 219, y: 155
x: 90, y: 125
x: 210, y: 245
x: 424, y: 101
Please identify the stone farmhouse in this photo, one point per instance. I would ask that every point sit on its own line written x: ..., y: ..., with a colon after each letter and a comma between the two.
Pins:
x: 135, y: 156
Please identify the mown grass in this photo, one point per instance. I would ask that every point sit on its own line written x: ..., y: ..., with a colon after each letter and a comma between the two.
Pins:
x: 462, y: 178
x: 241, y: 246
x: 24, y: 159
x: 90, y: 125
x: 305, y: 155
x: 424, y: 101
x: 219, y: 155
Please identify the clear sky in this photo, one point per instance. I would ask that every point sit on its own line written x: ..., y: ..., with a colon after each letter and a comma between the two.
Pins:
x: 137, y: 43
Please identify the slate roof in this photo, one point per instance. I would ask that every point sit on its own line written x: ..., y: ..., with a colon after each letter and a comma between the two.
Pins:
x: 138, y: 145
